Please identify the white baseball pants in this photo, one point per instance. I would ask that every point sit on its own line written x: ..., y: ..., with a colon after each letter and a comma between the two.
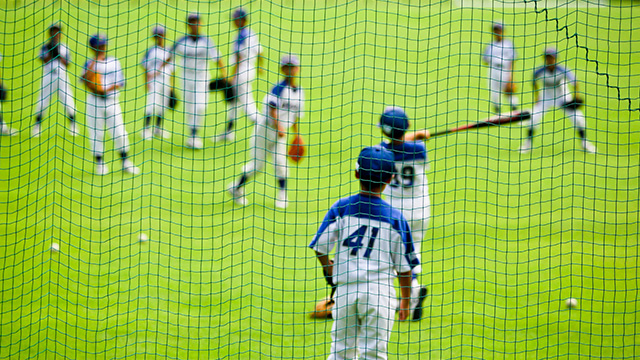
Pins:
x: 104, y: 113
x: 52, y: 82
x: 547, y: 102
x: 498, y: 80
x: 264, y: 142
x: 157, y: 97
x: 363, y: 315
x: 196, y: 97
x: 244, y: 100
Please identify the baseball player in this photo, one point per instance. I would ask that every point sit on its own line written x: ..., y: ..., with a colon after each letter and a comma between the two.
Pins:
x: 283, y: 107
x: 373, y: 243
x: 4, y: 128
x: 246, y: 52
x: 501, y: 55
x: 55, y: 57
x: 104, y: 78
x: 555, y: 93
x: 158, y: 79
x: 196, y: 51
x: 409, y: 190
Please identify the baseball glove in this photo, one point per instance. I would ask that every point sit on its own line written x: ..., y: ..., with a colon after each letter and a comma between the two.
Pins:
x: 297, y: 149
x: 223, y: 85
x: 3, y: 93
x: 173, y: 100
x: 323, y: 309
x: 510, y: 88
x: 574, y: 104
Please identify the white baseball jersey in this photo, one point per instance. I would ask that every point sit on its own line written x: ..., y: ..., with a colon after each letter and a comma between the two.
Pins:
x: 246, y: 49
x: 196, y: 53
x: 554, y: 83
x: 500, y: 54
x: 289, y: 102
x: 110, y: 70
x: 55, y: 64
x: 153, y: 60
x: 373, y: 240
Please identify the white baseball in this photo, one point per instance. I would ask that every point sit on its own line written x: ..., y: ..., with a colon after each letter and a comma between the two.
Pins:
x: 143, y: 237
x: 55, y: 247
x: 571, y: 303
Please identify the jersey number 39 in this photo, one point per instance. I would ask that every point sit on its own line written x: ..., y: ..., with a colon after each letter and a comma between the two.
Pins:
x: 354, y: 241
x: 405, y: 177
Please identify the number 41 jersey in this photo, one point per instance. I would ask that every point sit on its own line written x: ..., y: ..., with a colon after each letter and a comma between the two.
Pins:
x: 409, y: 190
x: 372, y: 240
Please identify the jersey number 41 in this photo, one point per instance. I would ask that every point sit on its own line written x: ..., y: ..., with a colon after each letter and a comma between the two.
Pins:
x: 354, y: 241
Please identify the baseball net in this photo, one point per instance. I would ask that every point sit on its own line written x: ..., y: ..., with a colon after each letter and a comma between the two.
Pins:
x: 511, y: 236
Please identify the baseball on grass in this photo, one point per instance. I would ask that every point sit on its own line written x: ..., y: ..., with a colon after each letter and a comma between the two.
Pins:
x: 55, y: 247
x: 143, y: 237
x: 571, y: 303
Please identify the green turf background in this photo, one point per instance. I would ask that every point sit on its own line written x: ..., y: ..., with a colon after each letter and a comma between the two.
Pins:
x: 511, y: 236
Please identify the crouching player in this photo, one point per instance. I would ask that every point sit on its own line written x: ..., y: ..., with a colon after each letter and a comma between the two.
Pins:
x: 373, y: 243
x: 104, y: 78
x: 283, y: 107
x: 409, y: 191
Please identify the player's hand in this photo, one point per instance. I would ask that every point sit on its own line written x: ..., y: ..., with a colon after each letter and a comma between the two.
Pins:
x: 405, y: 306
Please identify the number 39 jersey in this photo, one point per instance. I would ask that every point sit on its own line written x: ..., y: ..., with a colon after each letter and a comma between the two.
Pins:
x: 409, y: 189
x: 372, y: 239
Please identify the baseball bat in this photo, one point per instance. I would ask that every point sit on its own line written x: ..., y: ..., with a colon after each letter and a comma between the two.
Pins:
x: 494, y: 120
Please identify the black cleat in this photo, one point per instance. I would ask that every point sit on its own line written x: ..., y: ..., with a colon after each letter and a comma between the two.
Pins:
x: 417, y: 311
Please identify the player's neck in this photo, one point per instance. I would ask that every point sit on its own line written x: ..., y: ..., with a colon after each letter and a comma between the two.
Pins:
x: 397, y: 142
x: 292, y: 81
x: 101, y: 56
x: 368, y: 193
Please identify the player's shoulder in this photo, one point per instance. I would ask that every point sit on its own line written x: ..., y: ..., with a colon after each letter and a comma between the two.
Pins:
x: 182, y: 39
x: 562, y: 69
x: 371, y: 207
x: 278, y: 88
x: 539, y: 71
x: 407, y: 151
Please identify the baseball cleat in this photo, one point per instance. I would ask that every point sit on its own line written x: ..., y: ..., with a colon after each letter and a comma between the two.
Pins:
x: 237, y: 194
x: 588, y: 146
x: 73, y: 129
x: 37, y: 128
x: 282, y: 202
x: 526, y: 146
x: 102, y: 169
x: 5, y: 130
x: 194, y: 143
x: 417, y: 310
x: 129, y: 168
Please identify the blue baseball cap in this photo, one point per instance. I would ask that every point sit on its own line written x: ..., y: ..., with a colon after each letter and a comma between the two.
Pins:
x: 158, y: 30
x: 393, y: 121
x: 97, y: 40
x: 289, y: 60
x: 376, y: 164
x: 551, y: 52
x: 193, y: 17
x: 56, y: 26
x: 498, y: 25
x: 239, y: 13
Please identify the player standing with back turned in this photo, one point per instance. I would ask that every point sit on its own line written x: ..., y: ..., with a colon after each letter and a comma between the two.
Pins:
x: 555, y: 93
x: 409, y: 190
x: 501, y: 55
x: 55, y: 58
x: 246, y: 53
x: 373, y: 244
